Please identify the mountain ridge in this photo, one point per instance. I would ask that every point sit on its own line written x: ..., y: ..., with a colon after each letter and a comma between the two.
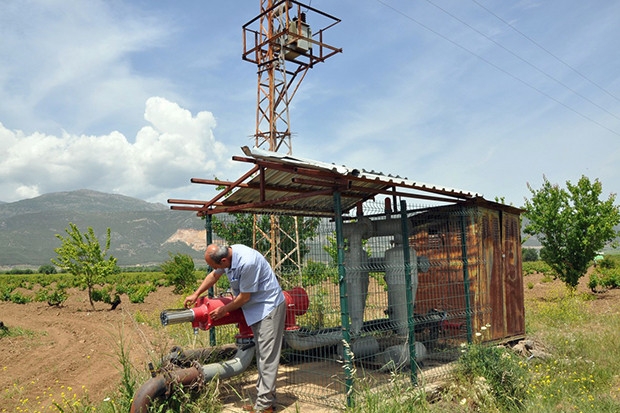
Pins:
x: 142, y: 233
x: 86, y: 200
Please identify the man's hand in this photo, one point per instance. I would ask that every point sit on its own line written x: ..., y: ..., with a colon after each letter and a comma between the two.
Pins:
x: 217, y: 313
x: 190, y: 300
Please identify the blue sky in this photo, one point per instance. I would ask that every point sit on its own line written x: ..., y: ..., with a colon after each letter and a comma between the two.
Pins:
x: 138, y: 96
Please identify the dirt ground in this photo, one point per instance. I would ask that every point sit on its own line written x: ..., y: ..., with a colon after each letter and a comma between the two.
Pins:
x: 72, y: 352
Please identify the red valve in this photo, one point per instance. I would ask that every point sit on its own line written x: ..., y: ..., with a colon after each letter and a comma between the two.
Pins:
x: 297, y: 303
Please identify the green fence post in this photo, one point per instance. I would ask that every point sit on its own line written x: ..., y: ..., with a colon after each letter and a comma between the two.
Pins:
x: 410, y: 297
x: 344, y: 303
x: 211, y: 293
x: 466, y: 274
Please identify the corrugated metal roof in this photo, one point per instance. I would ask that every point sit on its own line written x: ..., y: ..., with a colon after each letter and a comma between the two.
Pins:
x: 292, y: 185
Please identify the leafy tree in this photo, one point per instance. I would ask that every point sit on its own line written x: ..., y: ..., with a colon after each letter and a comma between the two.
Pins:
x: 47, y: 269
x: 529, y: 254
x: 180, y: 270
x: 82, y: 255
x: 240, y: 231
x: 572, y: 224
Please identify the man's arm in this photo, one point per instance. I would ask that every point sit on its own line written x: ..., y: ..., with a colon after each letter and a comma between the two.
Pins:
x: 236, y: 303
x: 207, y: 283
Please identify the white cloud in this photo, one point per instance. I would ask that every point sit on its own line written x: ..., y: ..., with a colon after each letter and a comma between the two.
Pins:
x: 172, y: 148
x: 70, y: 64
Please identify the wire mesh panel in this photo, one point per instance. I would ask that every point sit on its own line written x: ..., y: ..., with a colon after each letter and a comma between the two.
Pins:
x: 416, y: 283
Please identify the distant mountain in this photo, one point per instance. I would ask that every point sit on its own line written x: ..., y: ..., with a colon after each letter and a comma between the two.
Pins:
x: 83, y: 200
x: 143, y: 233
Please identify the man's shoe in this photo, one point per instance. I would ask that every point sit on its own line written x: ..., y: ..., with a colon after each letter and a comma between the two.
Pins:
x: 249, y: 408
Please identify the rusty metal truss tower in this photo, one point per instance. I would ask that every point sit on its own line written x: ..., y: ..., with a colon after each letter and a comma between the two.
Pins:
x: 282, y: 44
x: 280, y: 41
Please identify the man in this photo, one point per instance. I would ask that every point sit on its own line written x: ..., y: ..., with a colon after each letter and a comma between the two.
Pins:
x: 257, y: 292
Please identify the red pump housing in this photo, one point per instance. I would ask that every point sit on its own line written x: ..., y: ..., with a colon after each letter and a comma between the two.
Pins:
x: 203, y: 320
x: 297, y: 303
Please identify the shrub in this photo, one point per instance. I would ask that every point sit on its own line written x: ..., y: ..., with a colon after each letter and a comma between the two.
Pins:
x: 605, y: 278
x: 16, y: 271
x: 47, y: 269
x: 607, y: 262
x: 107, y: 294
x: 315, y: 273
x: 496, y: 372
x: 529, y: 254
x: 54, y: 298
x: 180, y: 269
x: 19, y: 298
x: 5, y: 293
x: 541, y: 267
x: 139, y: 293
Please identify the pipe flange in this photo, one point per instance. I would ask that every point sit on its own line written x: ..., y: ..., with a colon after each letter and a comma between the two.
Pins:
x: 200, y: 382
x: 169, y: 379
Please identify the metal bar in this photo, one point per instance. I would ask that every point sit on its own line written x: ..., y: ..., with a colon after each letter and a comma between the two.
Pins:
x: 343, y: 183
x: 212, y: 202
x: 410, y: 298
x: 186, y: 202
x: 394, y: 182
x: 466, y: 274
x: 280, y: 200
x: 394, y: 193
x: 344, y: 303
x: 186, y: 208
x: 249, y: 185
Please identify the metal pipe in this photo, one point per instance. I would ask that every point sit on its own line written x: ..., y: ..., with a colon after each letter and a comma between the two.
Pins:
x: 157, y: 387
x: 302, y: 341
x: 232, y: 367
x: 176, y: 316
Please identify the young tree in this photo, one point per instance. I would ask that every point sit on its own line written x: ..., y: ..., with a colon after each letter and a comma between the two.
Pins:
x: 572, y: 225
x: 529, y: 254
x: 180, y: 269
x: 82, y: 255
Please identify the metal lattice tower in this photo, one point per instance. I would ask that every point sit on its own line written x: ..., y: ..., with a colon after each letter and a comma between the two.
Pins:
x: 281, y: 43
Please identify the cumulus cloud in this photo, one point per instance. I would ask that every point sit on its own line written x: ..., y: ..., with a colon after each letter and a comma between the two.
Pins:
x: 174, y: 146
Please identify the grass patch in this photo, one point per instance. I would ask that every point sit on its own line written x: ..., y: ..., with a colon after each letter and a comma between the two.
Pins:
x: 581, y: 373
x: 7, y: 332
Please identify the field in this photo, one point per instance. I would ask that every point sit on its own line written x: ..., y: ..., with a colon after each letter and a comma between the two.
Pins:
x: 70, y: 355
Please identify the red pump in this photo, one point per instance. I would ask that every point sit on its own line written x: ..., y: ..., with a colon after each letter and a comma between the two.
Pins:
x: 203, y: 321
x: 297, y: 303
